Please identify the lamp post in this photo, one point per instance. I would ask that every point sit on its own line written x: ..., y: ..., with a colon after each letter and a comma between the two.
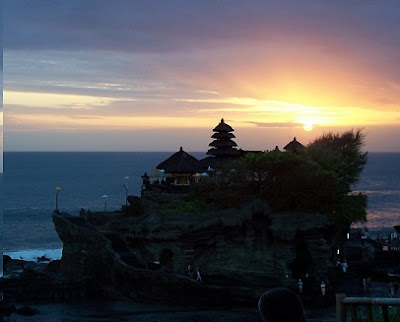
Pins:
x: 58, y: 189
x: 105, y: 202
x: 126, y: 191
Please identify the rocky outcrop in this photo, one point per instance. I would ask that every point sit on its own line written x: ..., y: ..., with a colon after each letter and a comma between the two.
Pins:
x: 240, y: 251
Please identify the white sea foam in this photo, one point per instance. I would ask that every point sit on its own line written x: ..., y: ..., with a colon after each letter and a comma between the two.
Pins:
x: 34, y: 254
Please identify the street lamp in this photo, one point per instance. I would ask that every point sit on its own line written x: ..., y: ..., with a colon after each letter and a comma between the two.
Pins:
x: 126, y: 190
x: 105, y: 202
x: 58, y: 189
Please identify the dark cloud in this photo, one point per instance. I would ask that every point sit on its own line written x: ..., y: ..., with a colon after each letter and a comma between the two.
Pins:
x: 149, y: 26
x: 67, y: 46
x: 162, y: 26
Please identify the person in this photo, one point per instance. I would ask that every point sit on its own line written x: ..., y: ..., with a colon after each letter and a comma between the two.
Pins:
x: 323, y: 288
x: 281, y: 305
x: 300, y: 286
x: 198, y: 279
x: 344, y: 266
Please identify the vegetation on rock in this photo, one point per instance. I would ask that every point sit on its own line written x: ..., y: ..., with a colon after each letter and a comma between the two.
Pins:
x: 341, y: 154
x: 319, y: 179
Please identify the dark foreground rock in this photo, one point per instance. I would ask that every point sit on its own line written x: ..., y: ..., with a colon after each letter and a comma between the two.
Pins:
x: 240, y: 252
x: 37, y: 281
x: 124, y: 310
x: 27, y: 311
x: 7, y: 308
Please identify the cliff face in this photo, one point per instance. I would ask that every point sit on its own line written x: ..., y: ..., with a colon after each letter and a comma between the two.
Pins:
x: 240, y: 252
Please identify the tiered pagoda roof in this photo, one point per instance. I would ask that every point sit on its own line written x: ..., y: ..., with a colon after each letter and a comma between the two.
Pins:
x: 223, y: 145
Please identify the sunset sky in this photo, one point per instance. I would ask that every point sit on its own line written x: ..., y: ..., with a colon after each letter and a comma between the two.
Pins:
x: 156, y: 75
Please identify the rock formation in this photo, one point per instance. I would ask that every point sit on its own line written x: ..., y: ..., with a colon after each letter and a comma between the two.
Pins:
x: 240, y: 251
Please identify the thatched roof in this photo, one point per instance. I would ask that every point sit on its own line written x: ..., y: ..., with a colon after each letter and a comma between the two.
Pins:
x: 294, y: 146
x: 223, y: 143
x: 223, y: 146
x: 180, y: 162
x: 223, y: 127
x: 223, y: 135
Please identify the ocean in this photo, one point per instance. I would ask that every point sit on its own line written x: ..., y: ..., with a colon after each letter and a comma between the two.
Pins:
x: 30, y: 181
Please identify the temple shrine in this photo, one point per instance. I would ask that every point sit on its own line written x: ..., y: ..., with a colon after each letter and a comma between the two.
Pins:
x: 183, y: 169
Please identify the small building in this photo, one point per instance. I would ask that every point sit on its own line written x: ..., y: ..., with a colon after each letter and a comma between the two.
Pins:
x: 294, y: 146
x: 181, y: 166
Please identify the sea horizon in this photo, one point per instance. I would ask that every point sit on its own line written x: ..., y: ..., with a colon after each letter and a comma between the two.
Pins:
x: 139, y: 151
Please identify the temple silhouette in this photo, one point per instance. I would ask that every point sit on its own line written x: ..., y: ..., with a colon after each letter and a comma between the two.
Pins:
x: 182, y: 169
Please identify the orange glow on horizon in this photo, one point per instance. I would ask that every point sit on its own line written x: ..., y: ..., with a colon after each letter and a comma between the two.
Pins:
x: 76, y: 111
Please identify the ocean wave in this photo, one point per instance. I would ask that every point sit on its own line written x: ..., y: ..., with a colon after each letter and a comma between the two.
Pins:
x: 34, y: 254
x: 381, y: 192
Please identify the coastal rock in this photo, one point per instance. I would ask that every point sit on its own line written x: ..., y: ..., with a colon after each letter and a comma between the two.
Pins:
x: 26, y: 311
x: 6, y: 260
x: 22, y: 282
x: 360, y: 254
x: 26, y: 280
x: 43, y: 259
x: 54, y: 265
x: 240, y: 251
x: 7, y: 308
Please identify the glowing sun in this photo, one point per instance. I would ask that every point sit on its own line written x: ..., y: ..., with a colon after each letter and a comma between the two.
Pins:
x: 308, y: 126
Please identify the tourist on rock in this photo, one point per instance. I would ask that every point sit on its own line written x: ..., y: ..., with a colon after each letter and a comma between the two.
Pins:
x: 300, y: 286
x: 198, y: 279
x: 323, y: 288
x: 344, y: 266
x: 281, y: 305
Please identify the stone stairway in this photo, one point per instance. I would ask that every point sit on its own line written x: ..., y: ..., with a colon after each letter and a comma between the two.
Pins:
x: 120, y: 247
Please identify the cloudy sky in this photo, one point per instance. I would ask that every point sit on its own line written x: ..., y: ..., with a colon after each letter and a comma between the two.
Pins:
x: 155, y: 75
